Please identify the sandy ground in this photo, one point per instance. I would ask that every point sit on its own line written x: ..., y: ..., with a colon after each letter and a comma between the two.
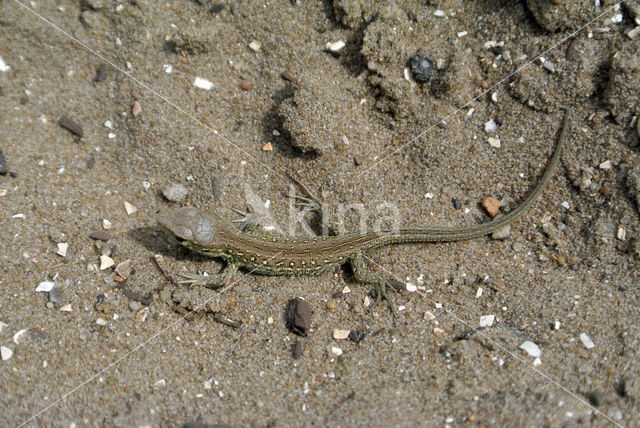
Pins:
x: 132, y: 348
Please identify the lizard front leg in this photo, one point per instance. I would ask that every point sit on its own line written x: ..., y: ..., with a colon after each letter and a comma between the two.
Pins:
x: 365, y: 275
x: 220, y: 280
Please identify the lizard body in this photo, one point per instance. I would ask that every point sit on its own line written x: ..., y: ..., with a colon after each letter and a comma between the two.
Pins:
x: 208, y: 234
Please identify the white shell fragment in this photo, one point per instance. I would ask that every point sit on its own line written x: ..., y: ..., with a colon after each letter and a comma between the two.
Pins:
x: 129, y: 208
x: 18, y: 336
x: 490, y: 126
x: 106, y: 262
x: 335, y: 46
x: 494, y: 142
x: 203, y: 83
x: 337, y: 351
x: 605, y: 165
x: 45, y: 286
x: 3, y: 66
x: 62, y: 249
x: 255, y: 46
x: 340, y: 334
x: 621, y: 234
x: 531, y: 348
x: 66, y: 308
x: 6, y: 353
x: 586, y: 341
x: 106, y: 224
x: 487, y: 320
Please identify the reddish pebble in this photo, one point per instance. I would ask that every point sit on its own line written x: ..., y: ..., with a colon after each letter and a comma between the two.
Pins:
x: 605, y: 191
x: 136, y: 109
x: 491, y: 205
x: 246, y: 85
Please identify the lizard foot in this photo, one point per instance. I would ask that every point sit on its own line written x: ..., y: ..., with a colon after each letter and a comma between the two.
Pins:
x: 220, y: 281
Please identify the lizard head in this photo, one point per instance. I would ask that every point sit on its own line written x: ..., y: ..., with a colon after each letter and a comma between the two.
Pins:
x: 189, y: 226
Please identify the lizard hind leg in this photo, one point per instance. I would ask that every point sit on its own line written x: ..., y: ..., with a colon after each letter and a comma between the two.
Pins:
x: 365, y: 275
x: 220, y: 281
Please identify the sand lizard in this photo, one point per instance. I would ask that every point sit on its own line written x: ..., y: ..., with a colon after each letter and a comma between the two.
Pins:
x: 208, y: 234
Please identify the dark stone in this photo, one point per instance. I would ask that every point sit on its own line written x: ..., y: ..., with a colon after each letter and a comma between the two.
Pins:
x: 101, y: 73
x: 357, y: 336
x: 71, y: 126
x: 422, y: 68
x: 3, y: 164
x: 216, y: 8
x: 299, y: 316
x: 100, y: 235
x: 457, y: 204
x: 596, y: 398
x: 297, y: 349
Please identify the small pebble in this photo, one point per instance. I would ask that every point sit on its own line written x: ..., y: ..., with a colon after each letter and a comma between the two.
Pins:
x: 549, y: 66
x: 255, y: 46
x: 5, y: 353
x: 621, y: 234
x: 106, y: 224
x: 45, y: 286
x: 136, y: 109
x: 287, y: 76
x: 62, y: 249
x: 605, y: 191
x: 216, y: 8
x: 337, y: 351
x: 267, y: 147
x: 124, y: 269
x: 356, y: 336
x: 411, y: 288
x: 56, y: 295
x: 438, y: 331
x: 71, y: 126
x: 129, y: 208
x: 299, y: 316
x: 340, y: 334
x: 457, y: 204
x: 335, y: 47
x: 502, y: 233
x: 297, y: 349
x: 134, y: 306
x: 167, y: 68
x: 596, y: 398
x: 101, y: 73
x: 245, y: 85
x: 586, y: 341
x: 3, y: 164
x: 494, y: 97
x: 491, y: 206
x: 494, y: 142
x: 100, y: 235
x: 605, y: 165
x: 461, y: 34
x: 421, y: 68
x: 531, y: 349
x: 175, y: 192
x: 203, y: 84
x: 331, y: 304
x: 66, y: 308
x: 439, y: 13
x: 17, y: 338
x: 106, y: 262
x: 490, y: 126
x: 632, y: 34
x: 487, y: 320
x: 101, y: 321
